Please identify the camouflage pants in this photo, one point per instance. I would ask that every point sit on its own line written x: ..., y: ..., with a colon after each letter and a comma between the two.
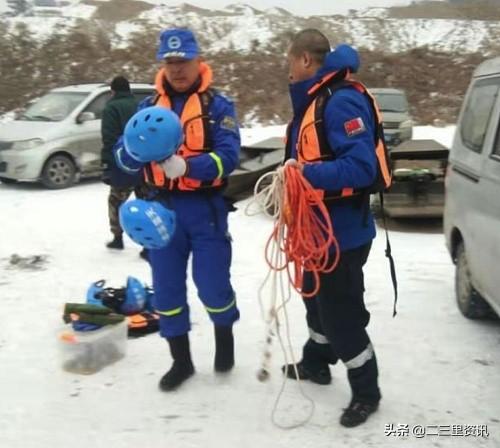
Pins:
x: 117, y: 196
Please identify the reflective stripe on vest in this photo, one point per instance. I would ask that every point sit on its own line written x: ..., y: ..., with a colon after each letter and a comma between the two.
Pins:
x: 312, y: 144
x: 195, y: 122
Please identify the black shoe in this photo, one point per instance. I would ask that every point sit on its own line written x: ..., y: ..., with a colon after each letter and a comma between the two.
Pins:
x: 178, y: 373
x: 115, y: 243
x: 357, y: 413
x: 182, y: 368
x: 224, y: 349
x: 144, y: 254
x: 319, y: 375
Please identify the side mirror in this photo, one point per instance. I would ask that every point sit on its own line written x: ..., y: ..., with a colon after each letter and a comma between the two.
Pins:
x: 85, y: 116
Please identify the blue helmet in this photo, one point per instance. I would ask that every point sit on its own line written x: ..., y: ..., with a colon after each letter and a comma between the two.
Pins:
x: 148, y: 223
x: 93, y: 293
x: 153, y: 134
x: 135, y: 297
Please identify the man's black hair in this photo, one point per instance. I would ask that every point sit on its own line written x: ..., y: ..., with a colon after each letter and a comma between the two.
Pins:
x: 120, y: 84
x: 311, y: 41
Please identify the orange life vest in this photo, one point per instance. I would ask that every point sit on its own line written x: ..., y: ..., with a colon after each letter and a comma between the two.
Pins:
x: 195, y: 122
x: 312, y: 144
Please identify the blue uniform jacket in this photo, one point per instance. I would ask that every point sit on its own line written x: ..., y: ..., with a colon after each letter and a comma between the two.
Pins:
x: 224, y: 137
x: 355, y: 163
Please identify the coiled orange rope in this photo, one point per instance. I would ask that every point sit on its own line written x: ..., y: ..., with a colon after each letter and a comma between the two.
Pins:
x: 301, y: 240
x: 303, y: 231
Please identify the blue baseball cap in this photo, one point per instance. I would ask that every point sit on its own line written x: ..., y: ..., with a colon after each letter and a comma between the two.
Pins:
x: 177, y: 42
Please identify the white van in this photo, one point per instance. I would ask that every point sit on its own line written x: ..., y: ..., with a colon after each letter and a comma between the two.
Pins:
x: 472, y: 198
x: 57, y: 139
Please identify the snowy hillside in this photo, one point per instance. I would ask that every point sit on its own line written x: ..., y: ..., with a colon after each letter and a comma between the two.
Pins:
x: 242, y: 27
x: 91, y: 40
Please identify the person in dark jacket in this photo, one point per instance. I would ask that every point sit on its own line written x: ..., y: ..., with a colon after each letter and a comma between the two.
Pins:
x: 336, y: 153
x: 119, y: 108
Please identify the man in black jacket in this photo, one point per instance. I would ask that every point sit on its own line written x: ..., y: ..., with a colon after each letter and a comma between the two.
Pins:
x: 119, y: 108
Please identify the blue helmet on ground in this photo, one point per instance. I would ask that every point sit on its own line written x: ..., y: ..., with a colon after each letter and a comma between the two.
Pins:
x: 93, y: 293
x: 148, y: 223
x: 153, y: 134
x: 135, y: 297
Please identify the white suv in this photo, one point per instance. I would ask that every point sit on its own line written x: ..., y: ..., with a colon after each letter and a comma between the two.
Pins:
x: 57, y: 139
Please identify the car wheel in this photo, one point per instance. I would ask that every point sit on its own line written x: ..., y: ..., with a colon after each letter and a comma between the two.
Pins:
x: 59, y: 172
x: 6, y: 180
x: 469, y: 301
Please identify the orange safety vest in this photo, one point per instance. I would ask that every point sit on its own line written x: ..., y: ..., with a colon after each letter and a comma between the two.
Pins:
x: 196, y: 126
x: 312, y: 144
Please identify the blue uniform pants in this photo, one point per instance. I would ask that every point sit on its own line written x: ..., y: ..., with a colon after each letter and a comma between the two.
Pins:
x: 201, y: 231
x: 337, y: 320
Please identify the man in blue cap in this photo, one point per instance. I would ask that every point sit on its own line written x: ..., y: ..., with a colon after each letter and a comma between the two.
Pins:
x: 191, y: 183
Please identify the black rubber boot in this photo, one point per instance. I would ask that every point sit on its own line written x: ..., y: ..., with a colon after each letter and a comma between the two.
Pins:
x: 357, y: 413
x: 316, y: 374
x: 366, y: 393
x: 314, y: 364
x: 224, y: 349
x: 182, y: 368
x: 116, y: 243
x: 364, y: 382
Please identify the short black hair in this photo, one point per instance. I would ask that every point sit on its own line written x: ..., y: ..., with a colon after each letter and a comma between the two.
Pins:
x: 311, y: 41
x: 120, y: 84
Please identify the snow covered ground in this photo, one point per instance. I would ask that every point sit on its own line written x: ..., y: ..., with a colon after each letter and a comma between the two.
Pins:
x: 437, y: 368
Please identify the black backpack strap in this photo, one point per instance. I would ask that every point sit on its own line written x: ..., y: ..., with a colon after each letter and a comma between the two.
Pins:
x: 322, y: 99
x: 363, y: 201
x: 155, y: 99
x: 206, y: 98
x: 388, y: 254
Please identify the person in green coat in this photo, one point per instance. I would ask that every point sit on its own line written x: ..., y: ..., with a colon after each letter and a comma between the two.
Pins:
x: 118, y: 110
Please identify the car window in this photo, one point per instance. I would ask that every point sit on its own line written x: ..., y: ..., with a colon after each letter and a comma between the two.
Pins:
x: 478, y: 112
x: 141, y: 94
x: 54, y: 106
x: 392, y: 102
x: 97, y: 105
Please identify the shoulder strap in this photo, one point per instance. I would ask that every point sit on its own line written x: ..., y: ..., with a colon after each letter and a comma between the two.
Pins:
x: 206, y: 98
x: 388, y: 254
x: 155, y: 99
x: 322, y: 99
x: 326, y: 93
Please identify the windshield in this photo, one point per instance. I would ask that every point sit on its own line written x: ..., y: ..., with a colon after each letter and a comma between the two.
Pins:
x: 54, y: 106
x: 392, y: 102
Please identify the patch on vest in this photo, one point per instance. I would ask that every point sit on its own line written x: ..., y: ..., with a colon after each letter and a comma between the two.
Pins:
x: 354, y: 127
x: 229, y: 123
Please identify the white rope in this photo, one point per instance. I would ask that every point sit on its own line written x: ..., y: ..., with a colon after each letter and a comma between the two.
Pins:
x: 268, y: 197
x: 268, y: 194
